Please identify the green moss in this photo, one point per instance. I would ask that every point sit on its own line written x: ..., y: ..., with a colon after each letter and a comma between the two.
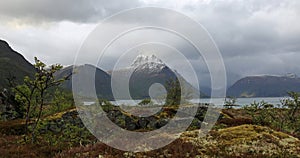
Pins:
x: 58, y: 115
x: 239, y: 134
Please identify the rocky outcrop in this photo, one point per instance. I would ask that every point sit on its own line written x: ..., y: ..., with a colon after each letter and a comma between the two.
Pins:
x: 10, y: 109
x: 57, y: 124
x: 124, y: 120
x: 132, y: 123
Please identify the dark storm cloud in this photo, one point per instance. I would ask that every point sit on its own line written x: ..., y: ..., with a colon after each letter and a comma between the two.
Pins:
x: 252, y: 27
x: 63, y: 10
x: 254, y: 37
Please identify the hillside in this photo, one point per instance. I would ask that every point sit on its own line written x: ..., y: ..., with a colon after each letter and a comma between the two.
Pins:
x: 13, y: 64
x: 102, y: 79
x: 265, y: 86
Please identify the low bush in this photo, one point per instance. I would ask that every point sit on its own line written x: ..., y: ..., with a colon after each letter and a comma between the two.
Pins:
x: 284, y: 117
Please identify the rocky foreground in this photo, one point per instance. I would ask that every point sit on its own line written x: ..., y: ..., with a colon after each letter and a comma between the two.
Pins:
x: 234, y: 135
x: 240, y: 141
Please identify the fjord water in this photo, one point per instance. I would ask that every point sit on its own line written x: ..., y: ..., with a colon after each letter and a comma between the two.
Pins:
x: 239, y: 101
x: 242, y: 101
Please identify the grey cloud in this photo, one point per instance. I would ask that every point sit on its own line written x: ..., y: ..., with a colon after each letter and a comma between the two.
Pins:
x: 63, y: 10
x: 254, y: 37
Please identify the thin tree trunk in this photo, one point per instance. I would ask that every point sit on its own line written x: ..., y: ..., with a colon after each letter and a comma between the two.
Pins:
x: 39, y: 116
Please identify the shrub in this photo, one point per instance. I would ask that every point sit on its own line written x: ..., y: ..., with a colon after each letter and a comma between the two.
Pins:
x: 230, y: 102
x: 284, y: 117
x: 260, y: 112
x: 33, y: 93
x: 146, y: 102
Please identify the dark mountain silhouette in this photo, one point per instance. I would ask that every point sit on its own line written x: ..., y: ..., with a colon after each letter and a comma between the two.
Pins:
x: 265, y: 86
x: 102, y: 80
x: 13, y: 64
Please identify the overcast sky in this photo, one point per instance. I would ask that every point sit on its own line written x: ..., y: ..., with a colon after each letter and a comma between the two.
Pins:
x: 254, y: 36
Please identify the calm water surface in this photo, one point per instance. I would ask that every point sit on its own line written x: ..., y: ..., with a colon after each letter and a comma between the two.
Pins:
x: 216, y: 101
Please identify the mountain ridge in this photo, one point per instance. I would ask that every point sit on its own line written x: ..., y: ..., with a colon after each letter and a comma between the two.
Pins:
x: 13, y: 65
x: 148, y: 70
x: 144, y: 72
x: 265, y: 86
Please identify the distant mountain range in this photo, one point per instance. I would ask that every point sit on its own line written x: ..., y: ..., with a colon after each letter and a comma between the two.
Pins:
x: 265, y: 86
x: 145, y: 70
x: 142, y: 73
x: 148, y: 70
x: 102, y: 79
x: 13, y: 64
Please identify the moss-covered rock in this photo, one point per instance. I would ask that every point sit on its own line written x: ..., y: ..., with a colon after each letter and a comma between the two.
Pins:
x: 246, y: 141
x: 240, y: 141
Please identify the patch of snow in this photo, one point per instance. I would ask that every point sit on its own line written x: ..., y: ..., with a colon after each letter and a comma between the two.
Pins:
x: 147, y: 62
x: 265, y: 75
x: 288, y: 75
x: 291, y: 75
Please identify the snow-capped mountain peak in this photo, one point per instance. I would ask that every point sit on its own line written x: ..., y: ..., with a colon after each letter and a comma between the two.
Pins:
x: 147, y: 62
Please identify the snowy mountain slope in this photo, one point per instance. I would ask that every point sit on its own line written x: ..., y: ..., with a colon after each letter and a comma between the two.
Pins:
x: 146, y: 71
